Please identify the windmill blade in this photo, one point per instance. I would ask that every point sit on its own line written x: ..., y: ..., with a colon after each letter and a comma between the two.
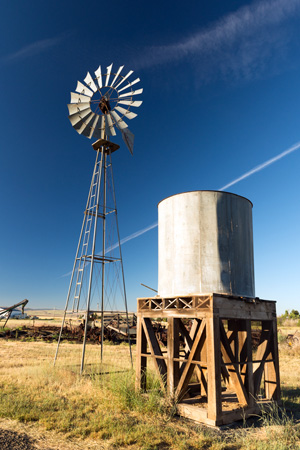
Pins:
x: 75, y: 108
x: 123, y: 79
x: 128, y: 138
x: 97, y: 134
x: 92, y: 127
x: 109, y: 126
x: 78, y: 98
x: 108, y: 130
x: 129, y: 94
x: 90, y: 82
x: 83, y: 121
x: 82, y: 89
x: 108, y: 74
x: 116, y: 76
x: 129, y: 84
x: 130, y: 103
x: 99, y: 77
x: 76, y: 118
x: 85, y: 126
x: 125, y: 112
x: 99, y: 131
x: 118, y: 121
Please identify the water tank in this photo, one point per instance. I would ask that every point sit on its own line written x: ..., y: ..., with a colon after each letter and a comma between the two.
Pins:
x: 205, y: 244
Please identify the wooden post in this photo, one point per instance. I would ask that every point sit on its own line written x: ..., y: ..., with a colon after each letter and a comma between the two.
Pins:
x: 272, y: 382
x: 173, y: 352
x: 249, y: 382
x: 141, y: 361
x: 214, y: 401
x: 263, y: 350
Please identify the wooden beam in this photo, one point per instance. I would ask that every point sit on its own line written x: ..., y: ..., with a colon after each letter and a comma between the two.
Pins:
x: 263, y: 350
x: 189, y: 367
x: 184, y: 332
x: 155, y: 351
x: 224, y: 372
x: 189, y: 338
x: 233, y: 369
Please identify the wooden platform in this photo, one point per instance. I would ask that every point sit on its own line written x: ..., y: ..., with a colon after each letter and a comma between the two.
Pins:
x: 210, y: 366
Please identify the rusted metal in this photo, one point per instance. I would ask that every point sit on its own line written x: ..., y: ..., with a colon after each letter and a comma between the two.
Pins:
x: 149, y: 287
x: 293, y: 339
x: 10, y: 309
x: 104, y: 105
x: 107, y: 145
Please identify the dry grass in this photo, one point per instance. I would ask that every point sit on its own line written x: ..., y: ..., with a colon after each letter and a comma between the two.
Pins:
x: 62, y: 410
x: 51, y: 440
x: 45, y: 317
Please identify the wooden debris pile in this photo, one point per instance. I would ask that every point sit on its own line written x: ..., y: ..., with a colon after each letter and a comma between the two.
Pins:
x: 71, y: 334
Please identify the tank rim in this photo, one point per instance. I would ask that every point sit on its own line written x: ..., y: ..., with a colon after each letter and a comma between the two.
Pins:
x: 205, y: 190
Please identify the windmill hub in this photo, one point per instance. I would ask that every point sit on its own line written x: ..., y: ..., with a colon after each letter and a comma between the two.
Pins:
x: 104, y: 105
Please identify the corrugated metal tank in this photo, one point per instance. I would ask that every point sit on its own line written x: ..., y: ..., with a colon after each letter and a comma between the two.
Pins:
x: 205, y: 244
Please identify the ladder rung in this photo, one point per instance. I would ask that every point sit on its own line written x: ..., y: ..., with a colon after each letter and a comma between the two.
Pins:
x: 76, y: 296
x: 80, y: 270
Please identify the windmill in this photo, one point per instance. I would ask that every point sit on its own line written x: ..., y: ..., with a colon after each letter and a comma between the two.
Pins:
x: 98, y: 107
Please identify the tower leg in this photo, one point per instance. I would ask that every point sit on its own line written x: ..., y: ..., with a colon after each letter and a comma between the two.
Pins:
x: 92, y: 256
x: 103, y: 255
x: 88, y: 255
x: 121, y: 259
x: 81, y: 260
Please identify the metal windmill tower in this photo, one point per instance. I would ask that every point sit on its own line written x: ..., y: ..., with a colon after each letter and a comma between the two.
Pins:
x: 95, y: 110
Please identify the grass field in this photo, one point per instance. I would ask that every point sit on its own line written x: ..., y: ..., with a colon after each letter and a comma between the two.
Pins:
x: 101, y: 410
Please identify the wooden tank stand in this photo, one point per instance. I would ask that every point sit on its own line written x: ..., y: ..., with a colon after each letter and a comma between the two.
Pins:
x: 221, y: 358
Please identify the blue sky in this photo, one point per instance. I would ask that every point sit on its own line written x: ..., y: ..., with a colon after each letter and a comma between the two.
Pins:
x: 221, y: 96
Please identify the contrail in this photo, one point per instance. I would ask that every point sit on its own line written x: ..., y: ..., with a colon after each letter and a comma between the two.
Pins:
x: 237, y: 180
x: 122, y: 241
x: 236, y: 45
x: 132, y: 236
x: 34, y: 49
x: 262, y: 166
